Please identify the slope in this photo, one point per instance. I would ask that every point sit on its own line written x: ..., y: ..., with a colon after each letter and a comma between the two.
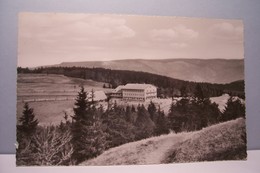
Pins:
x: 225, y: 141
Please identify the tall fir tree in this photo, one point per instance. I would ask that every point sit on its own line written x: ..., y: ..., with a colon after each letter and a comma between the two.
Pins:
x: 178, y: 115
x: 87, y: 135
x: 128, y: 114
x: 145, y: 126
x: 26, y: 129
x: 234, y: 109
x: 152, y: 110
x: 118, y: 130
x: 27, y: 122
x: 82, y: 107
x: 161, y: 124
x: 199, y: 93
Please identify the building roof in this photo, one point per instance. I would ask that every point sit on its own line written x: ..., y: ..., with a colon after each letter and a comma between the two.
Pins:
x: 119, y: 88
x: 137, y: 86
x: 98, y: 95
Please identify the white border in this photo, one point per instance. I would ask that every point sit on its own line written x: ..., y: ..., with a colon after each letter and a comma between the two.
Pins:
x: 7, y: 165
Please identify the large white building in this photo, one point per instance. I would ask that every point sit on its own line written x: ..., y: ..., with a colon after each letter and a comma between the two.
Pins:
x: 135, y: 92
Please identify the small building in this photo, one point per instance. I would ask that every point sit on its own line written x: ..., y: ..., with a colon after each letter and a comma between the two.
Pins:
x: 98, y: 96
x: 135, y: 92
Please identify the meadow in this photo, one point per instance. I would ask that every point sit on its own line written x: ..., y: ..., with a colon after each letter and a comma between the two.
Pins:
x: 50, y: 95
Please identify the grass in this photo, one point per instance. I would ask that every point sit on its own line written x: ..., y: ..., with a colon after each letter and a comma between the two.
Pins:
x: 49, y: 85
x: 50, y: 112
x: 50, y: 95
x: 225, y: 141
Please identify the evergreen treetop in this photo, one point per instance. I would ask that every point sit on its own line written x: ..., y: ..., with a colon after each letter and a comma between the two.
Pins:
x: 28, y: 123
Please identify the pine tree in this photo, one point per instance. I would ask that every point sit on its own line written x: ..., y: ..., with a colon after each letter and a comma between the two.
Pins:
x: 128, y: 114
x: 210, y: 112
x: 28, y: 123
x: 82, y: 124
x: 133, y: 108
x: 152, y: 110
x: 25, y: 131
x: 145, y: 126
x: 204, y: 113
x: 179, y: 114
x: 234, y: 109
x: 65, y: 125
x: 117, y: 129
x: 199, y: 93
x: 82, y: 106
x: 161, y: 124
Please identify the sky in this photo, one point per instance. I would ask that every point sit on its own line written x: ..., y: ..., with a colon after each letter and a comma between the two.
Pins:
x: 53, y: 38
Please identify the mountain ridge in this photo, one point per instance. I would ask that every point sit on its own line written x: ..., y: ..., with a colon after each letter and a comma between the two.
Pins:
x: 197, y: 70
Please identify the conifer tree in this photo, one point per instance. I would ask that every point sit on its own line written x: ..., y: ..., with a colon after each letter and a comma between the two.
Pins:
x: 152, y: 110
x: 87, y: 136
x: 161, y: 124
x: 118, y: 130
x: 133, y: 108
x: 25, y: 131
x: 234, y: 109
x: 145, y: 126
x: 28, y: 123
x: 199, y: 93
x: 82, y: 107
x: 128, y: 114
x: 178, y: 115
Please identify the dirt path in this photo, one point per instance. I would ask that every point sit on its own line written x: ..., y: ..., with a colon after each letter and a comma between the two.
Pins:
x: 157, y: 154
x: 149, y: 151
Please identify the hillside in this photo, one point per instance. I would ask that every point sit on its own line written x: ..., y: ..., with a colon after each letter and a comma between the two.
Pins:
x: 55, y: 92
x: 205, y: 145
x: 198, y: 70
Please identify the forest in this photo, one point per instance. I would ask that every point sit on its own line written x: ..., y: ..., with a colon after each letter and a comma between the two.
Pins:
x: 167, y: 87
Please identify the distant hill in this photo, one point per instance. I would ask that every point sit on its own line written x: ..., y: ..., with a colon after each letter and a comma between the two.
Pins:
x: 197, y: 70
x: 207, y: 144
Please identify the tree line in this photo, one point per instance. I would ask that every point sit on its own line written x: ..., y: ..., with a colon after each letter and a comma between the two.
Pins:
x: 93, y: 130
x: 167, y: 87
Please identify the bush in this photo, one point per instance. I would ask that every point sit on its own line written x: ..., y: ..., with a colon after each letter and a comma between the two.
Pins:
x: 48, y: 146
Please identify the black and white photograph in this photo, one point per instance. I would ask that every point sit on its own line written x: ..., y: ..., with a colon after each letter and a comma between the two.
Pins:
x: 110, y: 89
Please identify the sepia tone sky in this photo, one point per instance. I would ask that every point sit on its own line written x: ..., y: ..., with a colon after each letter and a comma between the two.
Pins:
x: 52, y: 38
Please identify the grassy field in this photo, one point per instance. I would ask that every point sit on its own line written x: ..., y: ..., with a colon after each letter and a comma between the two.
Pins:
x: 50, y: 95
x: 225, y: 141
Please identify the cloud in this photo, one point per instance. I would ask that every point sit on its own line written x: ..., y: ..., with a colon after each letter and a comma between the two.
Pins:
x: 177, y: 33
x: 186, y: 33
x: 100, y: 28
x: 76, y: 28
x: 227, y: 30
x: 163, y: 34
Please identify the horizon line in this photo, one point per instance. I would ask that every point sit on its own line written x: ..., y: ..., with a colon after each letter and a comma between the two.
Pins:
x: 128, y: 60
